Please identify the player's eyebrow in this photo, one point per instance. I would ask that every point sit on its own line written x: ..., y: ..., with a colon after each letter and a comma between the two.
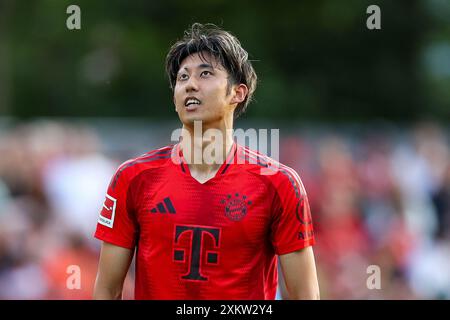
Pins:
x: 200, y: 66
x: 204, y: 66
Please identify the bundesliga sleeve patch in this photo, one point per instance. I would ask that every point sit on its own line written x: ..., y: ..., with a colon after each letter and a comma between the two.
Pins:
x: 106, y: 217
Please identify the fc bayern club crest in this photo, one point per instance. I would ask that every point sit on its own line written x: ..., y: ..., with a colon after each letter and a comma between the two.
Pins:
x: 236, y: 206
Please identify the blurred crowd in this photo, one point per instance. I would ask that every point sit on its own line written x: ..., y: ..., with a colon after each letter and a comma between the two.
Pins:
x: 378, y: 198
x: 53, y: 178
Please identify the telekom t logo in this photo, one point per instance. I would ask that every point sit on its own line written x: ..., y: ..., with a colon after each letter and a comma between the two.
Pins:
x: 196, y: 235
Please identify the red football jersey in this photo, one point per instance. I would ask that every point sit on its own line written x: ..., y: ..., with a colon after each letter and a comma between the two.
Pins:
x: 216, y: 240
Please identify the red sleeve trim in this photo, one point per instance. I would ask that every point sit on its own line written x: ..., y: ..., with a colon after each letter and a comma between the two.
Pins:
x: 295, y: 246
x: 124, y: 244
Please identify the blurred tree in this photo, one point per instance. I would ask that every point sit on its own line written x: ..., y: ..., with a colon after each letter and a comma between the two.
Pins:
x: 315, y: 59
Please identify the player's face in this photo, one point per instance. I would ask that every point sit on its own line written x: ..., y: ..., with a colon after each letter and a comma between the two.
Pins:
x: 201, y: 91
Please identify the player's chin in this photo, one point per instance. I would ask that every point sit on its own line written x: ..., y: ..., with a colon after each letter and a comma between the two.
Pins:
x: 188, y: 118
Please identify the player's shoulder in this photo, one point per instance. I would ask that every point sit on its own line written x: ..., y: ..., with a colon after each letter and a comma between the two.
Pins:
x: 262, y: 164
x: 274, y: 171
x: 153, y: 159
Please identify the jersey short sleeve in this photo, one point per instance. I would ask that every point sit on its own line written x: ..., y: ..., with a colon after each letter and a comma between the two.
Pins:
x: 116, y: 223
x: 292, y: 227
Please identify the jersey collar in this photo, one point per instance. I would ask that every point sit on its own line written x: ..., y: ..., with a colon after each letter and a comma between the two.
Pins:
x: 179, y: 160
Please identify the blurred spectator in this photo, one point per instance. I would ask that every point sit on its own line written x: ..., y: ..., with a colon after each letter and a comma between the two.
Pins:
x: 378, y: 199
x: 75, y: 181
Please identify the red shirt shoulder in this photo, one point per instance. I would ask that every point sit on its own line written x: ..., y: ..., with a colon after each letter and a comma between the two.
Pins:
x: 292, y: 228
x: 277, y: 173
x: 132, y: 167
x: 117, y: 223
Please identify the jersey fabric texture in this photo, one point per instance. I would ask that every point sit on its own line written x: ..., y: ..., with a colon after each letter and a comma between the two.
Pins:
x: 214, y: 240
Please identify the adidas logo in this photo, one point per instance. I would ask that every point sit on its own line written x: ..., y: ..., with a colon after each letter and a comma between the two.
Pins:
x: 164, y: 207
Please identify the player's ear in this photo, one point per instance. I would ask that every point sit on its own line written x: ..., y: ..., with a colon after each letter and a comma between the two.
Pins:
x: 239, y: 92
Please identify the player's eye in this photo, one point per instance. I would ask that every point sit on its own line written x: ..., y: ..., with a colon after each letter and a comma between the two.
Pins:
x: 206, y: 72
x: 183, y: 76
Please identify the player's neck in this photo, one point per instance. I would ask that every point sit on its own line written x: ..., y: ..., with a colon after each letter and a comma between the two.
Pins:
x: 205, y: 148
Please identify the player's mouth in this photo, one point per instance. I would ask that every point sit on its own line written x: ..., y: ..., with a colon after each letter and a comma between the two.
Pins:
x: 191, y: 103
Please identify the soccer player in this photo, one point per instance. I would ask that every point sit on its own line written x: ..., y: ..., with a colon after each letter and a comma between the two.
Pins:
x: 202, y: 229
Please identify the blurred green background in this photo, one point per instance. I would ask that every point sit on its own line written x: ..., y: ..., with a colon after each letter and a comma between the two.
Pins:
x: 316, y: 60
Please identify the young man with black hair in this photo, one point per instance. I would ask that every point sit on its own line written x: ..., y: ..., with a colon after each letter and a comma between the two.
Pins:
x: 207, y: 229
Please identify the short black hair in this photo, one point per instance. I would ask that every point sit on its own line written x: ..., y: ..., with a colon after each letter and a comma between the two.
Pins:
x: 222, y: 45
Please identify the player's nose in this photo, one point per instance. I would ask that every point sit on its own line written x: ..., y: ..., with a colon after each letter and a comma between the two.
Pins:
x: 191, y: 85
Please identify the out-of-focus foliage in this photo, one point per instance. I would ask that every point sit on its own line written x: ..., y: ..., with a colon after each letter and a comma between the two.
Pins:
x: 315, y: 59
